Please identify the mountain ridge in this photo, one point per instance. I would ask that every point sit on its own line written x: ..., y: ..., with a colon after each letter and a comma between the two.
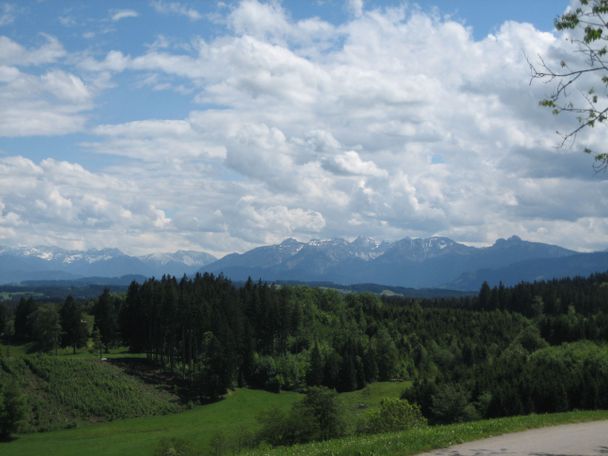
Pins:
x: 434, y: 262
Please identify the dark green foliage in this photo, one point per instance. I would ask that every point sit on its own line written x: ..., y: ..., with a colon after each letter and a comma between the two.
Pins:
x: 451, y: 404
x: 213, y: 378
x: 316, y: 417
x: 23, y: 322
x: 13, y: 409
x: 393, y: 415
x: 63, y: 392
x: 45, y: 328
x: 175, y: 447
x: 74, y: 328
x: 4, y: 319
x: 105, y: 312
x: 469, y: 357
x: 314, y: 376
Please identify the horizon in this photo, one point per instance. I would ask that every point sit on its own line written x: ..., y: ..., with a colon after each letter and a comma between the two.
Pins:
x: 307, y: 242
x: 159, y: 126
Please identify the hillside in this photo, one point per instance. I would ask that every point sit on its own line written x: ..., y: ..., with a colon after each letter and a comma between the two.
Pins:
x: 235, y: 415
x: 66, y: 392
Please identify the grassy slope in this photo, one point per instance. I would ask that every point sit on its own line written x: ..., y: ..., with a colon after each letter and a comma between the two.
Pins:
x: 139, y: 436
x: 64, y: 392
x: 420, y: 440
x: 357, y: 404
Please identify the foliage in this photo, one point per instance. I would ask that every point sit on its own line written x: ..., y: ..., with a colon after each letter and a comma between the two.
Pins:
x: 316, y: 417
x: 4, y: 319
x: 588, y: 31
x: 64, y: 392
x: 175, y: 447
x: 13, y: 409
x: 74, y: 327
x: 393, y: 415
x: 422, y: 439
x: 106, y: 318
x: 23, y: 329
x: 45, y: 328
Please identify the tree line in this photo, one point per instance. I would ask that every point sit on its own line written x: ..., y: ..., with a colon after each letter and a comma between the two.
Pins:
x: 470, y: 357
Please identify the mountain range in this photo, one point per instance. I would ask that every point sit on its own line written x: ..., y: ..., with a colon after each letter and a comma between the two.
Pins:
x: 50, y: 263
x: 436, y: 262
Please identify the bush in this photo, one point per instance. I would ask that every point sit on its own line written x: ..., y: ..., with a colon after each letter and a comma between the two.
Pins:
x: 175, y: 447
x: 316, y: 417
x: 12, y: 410
x: 393, y: 415
x: 451, y: 404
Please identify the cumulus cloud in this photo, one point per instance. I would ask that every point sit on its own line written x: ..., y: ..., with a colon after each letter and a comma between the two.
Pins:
x: 393, y: 123
x: 52, y: 103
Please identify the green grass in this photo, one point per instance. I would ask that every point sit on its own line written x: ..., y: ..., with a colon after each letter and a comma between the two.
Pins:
x: 139, y: 436
x: 15, y: 350
x: 419, y: 440
x: 357, y: 404
x: 237, y: 414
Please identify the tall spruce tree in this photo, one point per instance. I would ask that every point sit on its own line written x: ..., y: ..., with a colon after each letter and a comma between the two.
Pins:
x: 74, y: 328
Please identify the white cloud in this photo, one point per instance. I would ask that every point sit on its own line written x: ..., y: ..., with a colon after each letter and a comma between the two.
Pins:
x: 52, y: 103
x: 12, y: 53
x: 180, y: 9
x: 393, y: 123
x: 123, y: 14
x: 355, y: 7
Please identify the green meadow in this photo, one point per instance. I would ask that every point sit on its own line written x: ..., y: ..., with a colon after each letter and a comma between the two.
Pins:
x: 139, y: 436
x: 235, y: 415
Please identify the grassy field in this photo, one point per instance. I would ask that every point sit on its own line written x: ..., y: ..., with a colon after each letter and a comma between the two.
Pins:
x: 234, y: 415
x: 18, y: 350
x: 424, y: 439
x: 358, y: 404
x: 139, y: 436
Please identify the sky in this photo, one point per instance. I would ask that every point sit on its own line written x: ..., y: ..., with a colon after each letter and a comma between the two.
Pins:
x: 153, y: 126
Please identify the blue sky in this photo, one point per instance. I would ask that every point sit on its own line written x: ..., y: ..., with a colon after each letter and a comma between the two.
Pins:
x: 218, y: 126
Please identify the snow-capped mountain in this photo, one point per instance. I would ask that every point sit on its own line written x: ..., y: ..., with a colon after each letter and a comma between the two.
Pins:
x: 435, y: 262
x: 418, y: 263
x: 51, y: 263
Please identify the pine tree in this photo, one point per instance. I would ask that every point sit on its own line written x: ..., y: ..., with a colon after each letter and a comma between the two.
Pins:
x: 106, y: 319
x: 74, y: 327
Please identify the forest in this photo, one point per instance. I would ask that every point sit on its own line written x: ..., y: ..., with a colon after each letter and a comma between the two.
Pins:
x: 535, y: 347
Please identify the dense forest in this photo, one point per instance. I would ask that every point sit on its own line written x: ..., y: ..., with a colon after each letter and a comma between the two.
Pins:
x: 535, y: 347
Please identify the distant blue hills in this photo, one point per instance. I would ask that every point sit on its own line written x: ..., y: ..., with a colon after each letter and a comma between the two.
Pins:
x: 436, y: 262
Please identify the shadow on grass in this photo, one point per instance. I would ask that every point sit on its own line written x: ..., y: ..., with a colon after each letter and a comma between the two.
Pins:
x: 152, y: 374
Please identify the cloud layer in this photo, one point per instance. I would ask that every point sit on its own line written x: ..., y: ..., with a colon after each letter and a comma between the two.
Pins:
x: 393, y: 123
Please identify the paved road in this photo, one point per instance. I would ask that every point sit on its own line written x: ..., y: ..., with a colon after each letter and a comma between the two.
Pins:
x: 588, y: 439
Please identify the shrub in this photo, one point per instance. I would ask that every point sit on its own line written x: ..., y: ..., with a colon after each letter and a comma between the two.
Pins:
x: 12, y: 410
x: 393, y: 415
x: 316, y: 417
x: 175, y: 447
